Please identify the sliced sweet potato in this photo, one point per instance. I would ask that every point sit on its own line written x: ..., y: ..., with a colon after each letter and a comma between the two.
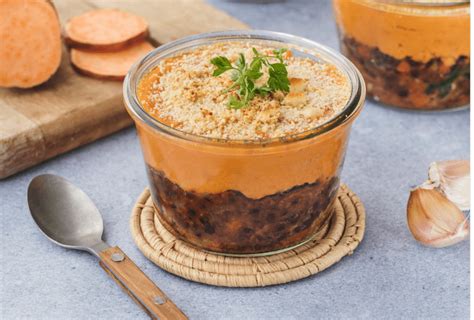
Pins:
x: 30, y: 42
x: 108, y: 65
x: 105, y: 30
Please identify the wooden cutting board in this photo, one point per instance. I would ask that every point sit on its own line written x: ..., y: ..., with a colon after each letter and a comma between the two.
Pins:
x: 70, y: 109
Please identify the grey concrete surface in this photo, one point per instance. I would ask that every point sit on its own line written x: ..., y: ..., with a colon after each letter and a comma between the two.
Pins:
x: 389, y: 276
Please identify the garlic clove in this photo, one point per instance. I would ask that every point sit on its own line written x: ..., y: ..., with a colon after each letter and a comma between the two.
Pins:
x: 453, y: 178
x: 434, y: 220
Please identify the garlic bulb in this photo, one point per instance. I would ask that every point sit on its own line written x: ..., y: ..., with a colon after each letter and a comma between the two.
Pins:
x: 434, y: 220
x: 452, y: 177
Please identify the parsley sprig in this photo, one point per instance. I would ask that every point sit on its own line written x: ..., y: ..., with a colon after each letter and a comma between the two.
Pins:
x: 245, y: 74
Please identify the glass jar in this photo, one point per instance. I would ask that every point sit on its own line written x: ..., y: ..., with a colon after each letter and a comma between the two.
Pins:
x: 244, y: 197
x: 412, y: 54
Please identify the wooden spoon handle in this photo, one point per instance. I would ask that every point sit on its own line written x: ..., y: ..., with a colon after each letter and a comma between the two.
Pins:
x: 138, y: 286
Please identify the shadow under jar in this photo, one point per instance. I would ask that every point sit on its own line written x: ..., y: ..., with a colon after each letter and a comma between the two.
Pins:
x: 241, y: 196
x: 413, y: 54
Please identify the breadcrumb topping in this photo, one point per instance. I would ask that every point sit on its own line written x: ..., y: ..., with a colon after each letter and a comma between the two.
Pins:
x: 182, y: 92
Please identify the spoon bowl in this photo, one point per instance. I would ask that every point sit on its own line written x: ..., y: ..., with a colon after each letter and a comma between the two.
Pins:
x: 64, y: 213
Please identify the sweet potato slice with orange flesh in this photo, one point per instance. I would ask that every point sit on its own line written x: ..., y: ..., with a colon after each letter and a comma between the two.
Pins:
x: 108, y: 65
x: 30, y: 42
x: 105, y: 30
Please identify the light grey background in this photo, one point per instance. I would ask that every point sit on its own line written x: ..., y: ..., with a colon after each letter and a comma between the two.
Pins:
x: 389, y: 276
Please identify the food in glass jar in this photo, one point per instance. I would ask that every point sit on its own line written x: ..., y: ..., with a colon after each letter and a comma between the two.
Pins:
x: 412, y: 54
x: 235, y: 175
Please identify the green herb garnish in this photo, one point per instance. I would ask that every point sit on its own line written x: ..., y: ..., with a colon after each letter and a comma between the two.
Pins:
x: 244, y: 76
x: 444, y: 87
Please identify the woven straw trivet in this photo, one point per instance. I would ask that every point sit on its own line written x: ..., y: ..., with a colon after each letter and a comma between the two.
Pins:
x: 336, y: 240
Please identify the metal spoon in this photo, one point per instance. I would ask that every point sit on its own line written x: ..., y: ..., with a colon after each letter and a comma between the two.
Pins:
x: 69, y: 218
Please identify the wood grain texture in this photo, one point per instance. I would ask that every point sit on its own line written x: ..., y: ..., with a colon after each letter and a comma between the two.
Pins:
x: 71, y: 110
x: 139, y: 287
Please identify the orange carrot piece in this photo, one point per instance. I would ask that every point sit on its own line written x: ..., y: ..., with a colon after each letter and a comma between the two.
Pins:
x: 105, y: 30
x: 403, y: 67
x: 30, y: 42
x: 108, y: 65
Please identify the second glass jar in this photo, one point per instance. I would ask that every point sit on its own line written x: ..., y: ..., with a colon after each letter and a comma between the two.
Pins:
x: 412, y: 54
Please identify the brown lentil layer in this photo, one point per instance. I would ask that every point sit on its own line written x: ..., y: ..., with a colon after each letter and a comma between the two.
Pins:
x: 408, y: 83
x: 229, y: 222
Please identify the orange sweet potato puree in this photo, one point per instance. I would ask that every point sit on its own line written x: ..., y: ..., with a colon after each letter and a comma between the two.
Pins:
x: 403, y: 30
x: 254, y: 171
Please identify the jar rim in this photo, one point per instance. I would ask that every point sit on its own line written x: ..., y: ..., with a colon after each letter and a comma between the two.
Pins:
x: 146, y: 63
x: 428, y: 3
